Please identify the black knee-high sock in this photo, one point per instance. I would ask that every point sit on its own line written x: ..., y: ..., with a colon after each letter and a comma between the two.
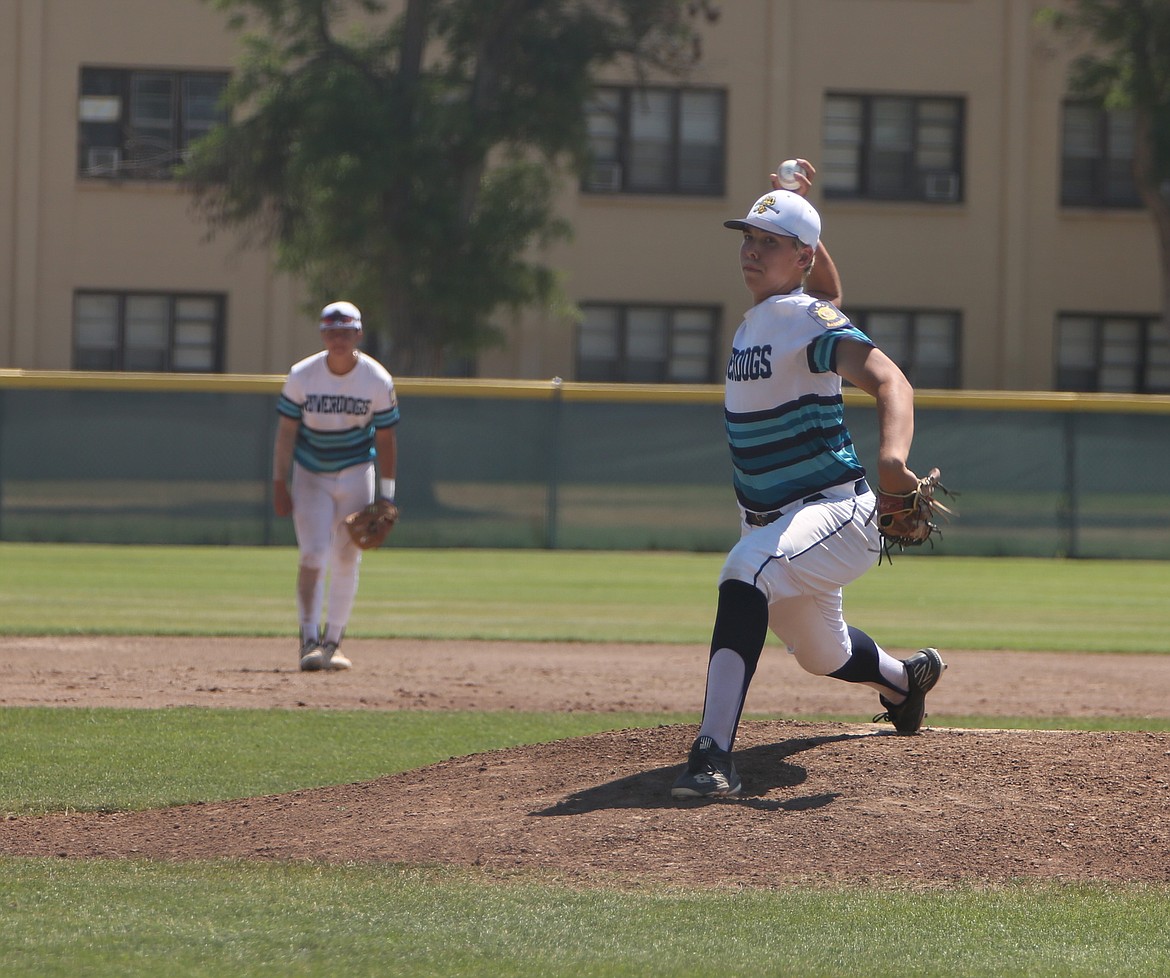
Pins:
x: 741, y: 625
x: 863, y: 665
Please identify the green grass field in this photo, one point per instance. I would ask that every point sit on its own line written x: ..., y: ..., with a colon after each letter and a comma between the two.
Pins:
x: 527, y: 595
x: 100, y: 918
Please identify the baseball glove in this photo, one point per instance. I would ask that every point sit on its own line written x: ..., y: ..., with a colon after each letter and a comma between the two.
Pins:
x: 907, y: 519
x: 368, y: 527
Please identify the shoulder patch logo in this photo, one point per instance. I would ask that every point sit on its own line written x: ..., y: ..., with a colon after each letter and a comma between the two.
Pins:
x: 828, y: 315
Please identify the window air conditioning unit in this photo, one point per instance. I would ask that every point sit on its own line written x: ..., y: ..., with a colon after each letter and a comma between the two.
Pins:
x: 941, y: 186
x: 605, y: 177
x: 102, y: 159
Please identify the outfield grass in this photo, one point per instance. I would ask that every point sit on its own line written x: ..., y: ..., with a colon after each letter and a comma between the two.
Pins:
x: 242, y: 918
x: 138, y: 919
x: 950, y: 602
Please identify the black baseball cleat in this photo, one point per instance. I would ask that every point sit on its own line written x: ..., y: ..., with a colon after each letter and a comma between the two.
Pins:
x: 710, y: 773
x: 923, y: 670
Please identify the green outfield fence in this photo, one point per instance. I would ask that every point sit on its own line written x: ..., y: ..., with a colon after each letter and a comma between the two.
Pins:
x: 185, y: 459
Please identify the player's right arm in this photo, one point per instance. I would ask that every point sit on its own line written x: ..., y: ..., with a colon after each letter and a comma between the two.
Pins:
x: 823, y: 281
x: 282, y: 455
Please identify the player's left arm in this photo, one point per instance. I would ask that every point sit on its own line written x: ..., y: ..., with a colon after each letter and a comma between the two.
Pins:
x: 867, y: 368
x: 386, y: 447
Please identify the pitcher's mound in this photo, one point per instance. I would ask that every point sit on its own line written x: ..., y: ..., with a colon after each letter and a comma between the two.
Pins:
x: 821, y: 802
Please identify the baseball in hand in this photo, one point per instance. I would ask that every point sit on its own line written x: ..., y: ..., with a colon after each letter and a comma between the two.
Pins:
x: 787, y: 171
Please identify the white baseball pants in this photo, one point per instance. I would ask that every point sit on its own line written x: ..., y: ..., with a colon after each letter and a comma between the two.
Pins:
x: 801, y: 561
x: 321, y: 502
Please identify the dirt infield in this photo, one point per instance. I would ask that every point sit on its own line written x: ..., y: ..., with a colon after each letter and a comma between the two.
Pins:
x: 844, y: 801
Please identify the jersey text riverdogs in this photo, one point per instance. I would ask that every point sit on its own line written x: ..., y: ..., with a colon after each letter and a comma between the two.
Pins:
x: 754, y: 363
x: 335, y: 404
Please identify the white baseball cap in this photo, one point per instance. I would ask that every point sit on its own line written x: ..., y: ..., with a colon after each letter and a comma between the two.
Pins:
x: 341, y: 315
x: 783, y: 212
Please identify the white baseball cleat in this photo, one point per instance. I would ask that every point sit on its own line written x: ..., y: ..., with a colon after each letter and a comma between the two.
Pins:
x: 332, y: 658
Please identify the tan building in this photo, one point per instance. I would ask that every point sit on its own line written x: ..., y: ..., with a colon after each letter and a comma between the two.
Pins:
x: 984, y: 227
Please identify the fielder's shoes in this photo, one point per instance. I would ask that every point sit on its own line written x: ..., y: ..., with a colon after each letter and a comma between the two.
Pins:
x: 312, y: 657
x: 332, y: 658
x: 923, y: 670
x: 710, y: 773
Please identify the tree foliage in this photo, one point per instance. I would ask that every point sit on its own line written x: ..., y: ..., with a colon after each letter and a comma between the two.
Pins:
x: 409, y: 161
x: 1128, y: 66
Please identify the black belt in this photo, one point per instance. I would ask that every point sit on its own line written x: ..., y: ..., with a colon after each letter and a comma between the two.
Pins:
x: 860, y: 487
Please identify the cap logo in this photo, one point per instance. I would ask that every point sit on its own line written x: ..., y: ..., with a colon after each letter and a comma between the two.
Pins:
x: 766, y: 203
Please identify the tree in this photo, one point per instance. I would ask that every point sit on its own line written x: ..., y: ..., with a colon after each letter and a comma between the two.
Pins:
x: 1129, y: 67
x: 410, y: 162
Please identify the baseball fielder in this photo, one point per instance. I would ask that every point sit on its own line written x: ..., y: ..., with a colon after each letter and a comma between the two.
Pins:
x: 338, y: 411
x: 807, y: 508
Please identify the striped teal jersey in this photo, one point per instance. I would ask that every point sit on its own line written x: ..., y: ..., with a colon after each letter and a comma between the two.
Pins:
x: 782, y: 402
x: 338, y: 414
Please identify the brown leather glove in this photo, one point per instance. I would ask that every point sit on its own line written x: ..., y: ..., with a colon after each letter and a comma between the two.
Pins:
x: 907, y: 519
x: 368, y: 527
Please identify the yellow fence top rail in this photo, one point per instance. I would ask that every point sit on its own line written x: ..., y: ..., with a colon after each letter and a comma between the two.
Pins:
x: 1060, y: 401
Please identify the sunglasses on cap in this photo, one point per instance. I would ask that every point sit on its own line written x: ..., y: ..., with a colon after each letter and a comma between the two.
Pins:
x: 339, y: 319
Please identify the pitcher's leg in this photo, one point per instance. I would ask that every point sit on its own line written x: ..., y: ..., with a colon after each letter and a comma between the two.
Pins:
x: 737, y: 639
x: 741, y: 626
x: 813, y: 628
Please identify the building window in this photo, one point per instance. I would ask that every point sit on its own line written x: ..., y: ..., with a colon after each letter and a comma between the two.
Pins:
x: 154, y: 332
x: 657, y: 141
x: 886, y: 147
x: 1113, y: 354
x: 925, y: 344
x: 1096, y: 160
x: 647, y: 344
x: 140, y: 124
